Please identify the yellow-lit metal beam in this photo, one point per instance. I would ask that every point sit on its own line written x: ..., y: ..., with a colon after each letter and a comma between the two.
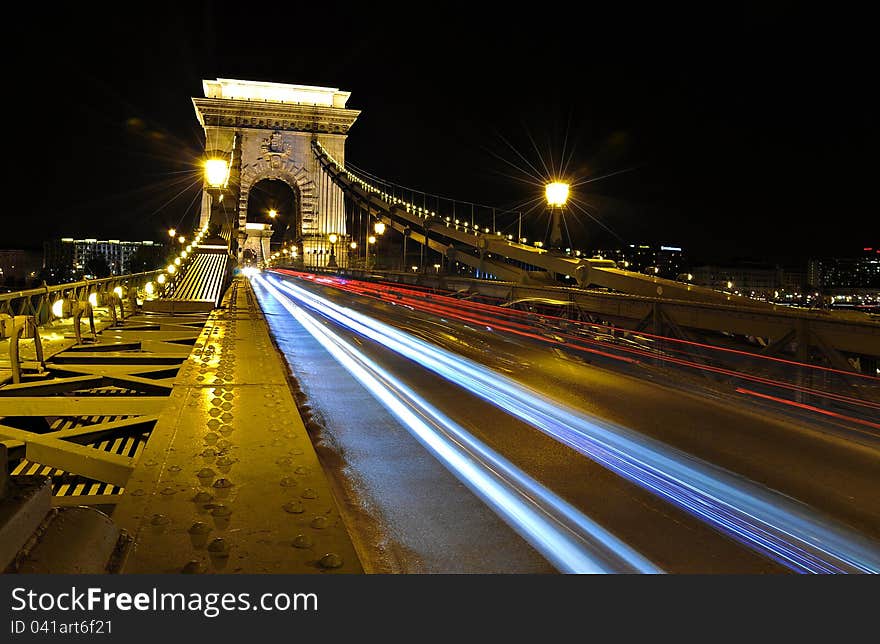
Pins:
x: 82, y: 406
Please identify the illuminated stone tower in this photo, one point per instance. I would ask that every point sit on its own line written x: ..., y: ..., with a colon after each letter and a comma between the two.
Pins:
x: 265, y: 131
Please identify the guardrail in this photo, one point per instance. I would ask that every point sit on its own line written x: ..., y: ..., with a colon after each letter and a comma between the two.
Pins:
x: 37, y: 302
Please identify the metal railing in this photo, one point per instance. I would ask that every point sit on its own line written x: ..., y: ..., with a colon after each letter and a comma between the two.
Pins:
x: 37, y: 302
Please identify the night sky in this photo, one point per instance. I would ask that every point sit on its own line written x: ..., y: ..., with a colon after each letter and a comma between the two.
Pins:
x: 745, y: 133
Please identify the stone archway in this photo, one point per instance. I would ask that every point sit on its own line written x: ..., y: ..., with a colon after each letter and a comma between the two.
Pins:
x: 274, y: 166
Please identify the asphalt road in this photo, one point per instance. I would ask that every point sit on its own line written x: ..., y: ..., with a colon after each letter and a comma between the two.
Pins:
x: 412, y: 515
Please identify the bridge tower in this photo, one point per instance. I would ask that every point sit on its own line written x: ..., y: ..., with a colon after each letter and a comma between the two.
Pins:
x: 264, y: 131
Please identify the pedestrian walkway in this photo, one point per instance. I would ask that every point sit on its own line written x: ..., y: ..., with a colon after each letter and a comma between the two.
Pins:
x: 229, y: 481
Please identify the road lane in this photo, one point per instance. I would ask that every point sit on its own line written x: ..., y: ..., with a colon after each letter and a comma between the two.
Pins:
x: 692, y: 551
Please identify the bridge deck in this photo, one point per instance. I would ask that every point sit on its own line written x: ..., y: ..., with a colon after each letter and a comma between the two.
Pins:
x: 229, y: 481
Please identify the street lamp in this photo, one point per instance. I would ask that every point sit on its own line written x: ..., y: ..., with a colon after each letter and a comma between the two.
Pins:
x: 556, y: 194
x: 332, y: 238
x: 216, y: 172
x: 371, y: 241
x: 379, y: 229
x: 273, y: 213
x: 172, y: 232
x: 181, y: 239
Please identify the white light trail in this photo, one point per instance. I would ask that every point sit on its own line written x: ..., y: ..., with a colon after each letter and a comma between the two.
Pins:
x: 569, y: 540
x: 762, y: 519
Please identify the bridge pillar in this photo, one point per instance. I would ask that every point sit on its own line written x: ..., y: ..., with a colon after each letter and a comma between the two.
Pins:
x: 256, y: 240
x: 266, y: 131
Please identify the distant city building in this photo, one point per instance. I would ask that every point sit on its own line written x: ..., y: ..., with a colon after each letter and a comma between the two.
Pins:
x: 69, y: 257
x: 19, y: 268
x: 862, y: 272
x: 663, y: 261
x: 751, y: 279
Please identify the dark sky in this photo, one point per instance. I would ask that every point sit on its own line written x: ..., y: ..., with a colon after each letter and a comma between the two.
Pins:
x: 750, y: 131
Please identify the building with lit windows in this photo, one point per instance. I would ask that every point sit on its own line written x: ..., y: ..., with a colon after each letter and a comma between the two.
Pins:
x: 664, y: 261
x: 751, y: 279
x: 74, y: 257
x: 860, y: 272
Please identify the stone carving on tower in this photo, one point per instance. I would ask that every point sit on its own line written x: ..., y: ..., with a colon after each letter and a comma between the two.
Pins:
x: 275, y: 144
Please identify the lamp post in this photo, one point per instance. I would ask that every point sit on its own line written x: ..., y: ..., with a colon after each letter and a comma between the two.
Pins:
x: 379, y: 229
x: 216, y: 180
x: 216, y: 173
x: 371, y: 241
x: 352, y: 254
x: 332, y: 238
x: 556, y: 194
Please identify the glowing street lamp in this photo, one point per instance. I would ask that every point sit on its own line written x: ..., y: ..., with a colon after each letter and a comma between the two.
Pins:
x: 216, y: 172
x: 172, y: 232
x: 273, y: 213
x: 332, y: 238
x: 181, y: 239
x: 379, y: 228
x: 556, y: 194
x: 371, y: 243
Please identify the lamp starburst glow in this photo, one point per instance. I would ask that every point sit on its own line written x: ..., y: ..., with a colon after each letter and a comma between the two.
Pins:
x: 333, y: 238
x: 379, y: 227
x: 557, y: 194
x: 216, y: 171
